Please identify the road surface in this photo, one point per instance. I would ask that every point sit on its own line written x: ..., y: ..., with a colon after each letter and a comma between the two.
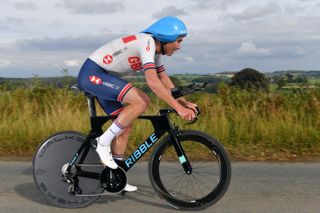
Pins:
x: 255, y: 188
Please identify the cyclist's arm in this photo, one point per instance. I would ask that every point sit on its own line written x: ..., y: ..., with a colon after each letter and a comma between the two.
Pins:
x: 160, y: 89
x: 162, y: 92
x: 166, y: 81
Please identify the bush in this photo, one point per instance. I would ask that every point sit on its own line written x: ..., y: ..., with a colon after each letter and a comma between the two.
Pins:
x: 250, y: 79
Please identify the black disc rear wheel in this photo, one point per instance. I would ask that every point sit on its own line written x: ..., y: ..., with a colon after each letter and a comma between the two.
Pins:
x: 48, y: 161
x: 210, y: 177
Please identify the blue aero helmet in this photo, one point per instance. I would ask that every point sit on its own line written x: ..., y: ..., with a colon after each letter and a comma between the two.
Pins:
x: 167, y: 29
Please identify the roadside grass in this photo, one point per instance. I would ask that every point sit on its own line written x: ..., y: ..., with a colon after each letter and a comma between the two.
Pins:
x: 251, y: 125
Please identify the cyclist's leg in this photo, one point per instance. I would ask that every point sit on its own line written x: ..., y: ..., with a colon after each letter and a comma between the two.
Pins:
x: 137, y: 103
x: 119, y: 143
x: 93, y: 79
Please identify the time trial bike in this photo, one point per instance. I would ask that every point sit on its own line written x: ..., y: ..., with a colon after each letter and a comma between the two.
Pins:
x: 188, y: 169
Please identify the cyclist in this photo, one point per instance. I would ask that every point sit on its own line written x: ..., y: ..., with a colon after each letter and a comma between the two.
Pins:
x: 139, y: 52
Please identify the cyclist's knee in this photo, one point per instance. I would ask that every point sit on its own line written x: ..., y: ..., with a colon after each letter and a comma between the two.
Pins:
x: 137, y: 98
x: 145, y: 103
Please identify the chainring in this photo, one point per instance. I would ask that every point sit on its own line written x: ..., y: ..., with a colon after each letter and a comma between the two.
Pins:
x: 113, y: 180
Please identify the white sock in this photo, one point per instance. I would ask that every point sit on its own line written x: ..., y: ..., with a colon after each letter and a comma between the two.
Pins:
x: 118, y: 157
x: 115, y: 129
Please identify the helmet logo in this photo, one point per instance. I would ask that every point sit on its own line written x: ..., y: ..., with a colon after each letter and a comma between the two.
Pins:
x: 108, y: 59
x: 183, y: 32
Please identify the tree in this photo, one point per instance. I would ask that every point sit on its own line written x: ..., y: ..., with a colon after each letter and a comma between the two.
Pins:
x: 249, y: 78
x: 281, y: 83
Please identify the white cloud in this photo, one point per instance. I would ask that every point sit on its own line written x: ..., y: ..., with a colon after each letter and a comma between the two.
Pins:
x: 256, y: 11
x: 216, y: 4
x: 92, y: 7
x: 81, y: 42
x: 299, y: 51
x: 170, y: 11
x: 189, y: 59
x: 5, y: 63
x: 27, y: 5
x: 72, y: 63
x: 248, y: 47
x: 224, y: 34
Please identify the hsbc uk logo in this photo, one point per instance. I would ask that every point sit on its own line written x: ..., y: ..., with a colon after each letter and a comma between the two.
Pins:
x: 120, y: 51
x: 108, y: 59
x: 97, y: 81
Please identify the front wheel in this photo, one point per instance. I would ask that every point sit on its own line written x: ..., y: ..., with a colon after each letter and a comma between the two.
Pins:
x: 208, y: 181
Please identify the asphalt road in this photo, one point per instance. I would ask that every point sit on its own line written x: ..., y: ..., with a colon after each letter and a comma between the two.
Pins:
x: 255, y: 187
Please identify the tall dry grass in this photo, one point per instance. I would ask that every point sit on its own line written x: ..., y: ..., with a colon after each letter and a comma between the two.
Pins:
x: 251, y: 125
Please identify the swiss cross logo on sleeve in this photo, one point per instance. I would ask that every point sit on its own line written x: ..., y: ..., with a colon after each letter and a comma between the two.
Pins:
x: 108, y: 59
x: 95, y: 80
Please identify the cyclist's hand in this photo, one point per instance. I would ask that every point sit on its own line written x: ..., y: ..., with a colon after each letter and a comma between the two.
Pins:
x: 189, y: 105
x: 192, y: 106
x: 186, y: 113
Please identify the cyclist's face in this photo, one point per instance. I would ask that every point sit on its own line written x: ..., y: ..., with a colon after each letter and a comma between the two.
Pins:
x: 171, y: 47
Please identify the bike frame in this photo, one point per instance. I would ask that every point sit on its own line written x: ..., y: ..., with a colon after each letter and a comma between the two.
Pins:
x: 161, y: 124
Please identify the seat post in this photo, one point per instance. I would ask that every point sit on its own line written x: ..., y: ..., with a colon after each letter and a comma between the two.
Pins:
x: 91, y: 105
x: 90, y: 99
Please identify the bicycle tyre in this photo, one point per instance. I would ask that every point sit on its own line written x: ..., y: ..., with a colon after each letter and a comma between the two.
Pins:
x: 48, y: 161
x: 198, y: 148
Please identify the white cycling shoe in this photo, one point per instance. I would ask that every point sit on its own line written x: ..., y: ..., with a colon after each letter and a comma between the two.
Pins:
x: 105, y: 155
x: 106, y: 158
x: 130, y: 188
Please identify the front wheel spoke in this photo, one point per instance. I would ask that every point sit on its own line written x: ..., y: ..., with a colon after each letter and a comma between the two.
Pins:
x: 206, y: 178
x: 206, y: 174
x: 174, y: 178
x: 194, y: 192
x: 177, y: 183
x: 173, y: 172
x: 200, y: 181
x: 181, y: 184
x: 199, y: 186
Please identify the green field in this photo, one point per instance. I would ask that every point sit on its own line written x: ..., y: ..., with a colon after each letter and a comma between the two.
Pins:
x: 251, y: 125
x: 314, y: 80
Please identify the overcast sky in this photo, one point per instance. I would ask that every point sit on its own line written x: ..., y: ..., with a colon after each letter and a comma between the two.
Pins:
x: 44, y: 37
